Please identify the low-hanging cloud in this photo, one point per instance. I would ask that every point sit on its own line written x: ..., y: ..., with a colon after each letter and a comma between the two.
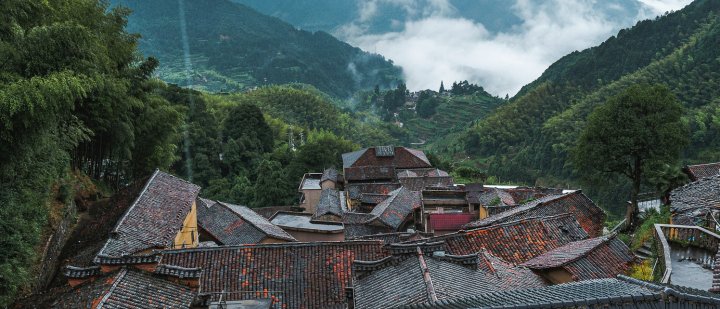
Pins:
x: 437, y: 45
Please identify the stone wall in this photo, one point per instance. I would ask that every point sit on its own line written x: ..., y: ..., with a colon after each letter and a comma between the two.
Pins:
x: 48, y: 265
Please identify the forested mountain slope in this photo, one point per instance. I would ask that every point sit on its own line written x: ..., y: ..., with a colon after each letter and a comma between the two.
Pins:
x: 233, y: 47
x: 528, y: 139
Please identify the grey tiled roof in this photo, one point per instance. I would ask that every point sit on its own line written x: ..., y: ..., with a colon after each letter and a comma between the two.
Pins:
x: 332, y: 202
x: 127, y: 288
x: 694, y: 199
x: 387, y: 216
x: 417, y: 275
x: 395, y: 209
x: 235, y: 225
x: 329, y: 174
x: 155, y: 217
x: 612, y: 293
x: 350, y: 157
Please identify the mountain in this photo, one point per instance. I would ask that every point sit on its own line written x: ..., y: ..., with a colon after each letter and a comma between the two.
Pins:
x: 528, y: 139
x: 377, y: 17
x: 232, y: 47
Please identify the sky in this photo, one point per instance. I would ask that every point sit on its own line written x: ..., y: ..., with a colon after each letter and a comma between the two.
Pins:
x: 437, y: 45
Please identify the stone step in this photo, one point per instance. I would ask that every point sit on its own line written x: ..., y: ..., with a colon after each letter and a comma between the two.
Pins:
x: 643, y: 251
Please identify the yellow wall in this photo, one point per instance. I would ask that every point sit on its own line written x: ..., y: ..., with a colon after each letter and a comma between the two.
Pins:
x: 312, y: 197
x: 483, y: 212
x: 188, y: 235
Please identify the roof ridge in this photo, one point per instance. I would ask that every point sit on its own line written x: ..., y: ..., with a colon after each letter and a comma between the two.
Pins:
x: 429, y: 287
x: 119, y: 278
x: 275, y: 245
x: 264, y: 229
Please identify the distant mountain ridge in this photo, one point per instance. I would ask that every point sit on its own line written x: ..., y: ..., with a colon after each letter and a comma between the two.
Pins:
x: 528, y: 139
x: 233, y: 47
x: 330, y: 15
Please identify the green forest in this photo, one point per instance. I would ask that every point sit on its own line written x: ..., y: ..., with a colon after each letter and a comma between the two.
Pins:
x: 242, y: 49
x: 82, y: 93
x: 529, y: 139
x: 77, y: 95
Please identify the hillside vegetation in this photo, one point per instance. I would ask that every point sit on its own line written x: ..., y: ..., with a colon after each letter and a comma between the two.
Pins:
x: 232, y: 47
x: 528, y: 139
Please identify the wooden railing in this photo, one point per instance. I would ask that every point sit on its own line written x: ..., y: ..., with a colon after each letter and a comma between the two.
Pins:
x: 684, y: 234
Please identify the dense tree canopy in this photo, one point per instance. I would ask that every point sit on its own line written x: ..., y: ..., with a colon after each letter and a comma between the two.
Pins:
x: 632, y: 133
x: 72, y: 90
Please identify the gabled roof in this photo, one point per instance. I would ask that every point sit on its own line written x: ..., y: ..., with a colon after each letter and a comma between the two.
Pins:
x: 349, y: 158
x: 294, y: 275
x: 127, y: 288
x: 417, y: 274
x: 517, y: 241
x: 395, y: 209
x: 594, y: 258
x: 589, y: 215
x: 329, y: 174
x: 155, y: 218
x: 332, y: 202
x: 693, y: 199
x: 699, y: 171
x: 236, y: 225
x: 397, y: 157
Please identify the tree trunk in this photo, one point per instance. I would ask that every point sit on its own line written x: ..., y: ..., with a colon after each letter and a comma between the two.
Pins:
x: 632, y: 208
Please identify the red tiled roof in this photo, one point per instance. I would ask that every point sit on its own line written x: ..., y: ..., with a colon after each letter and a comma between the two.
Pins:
x: 594, y: 258
x: 155, y: 218
x: 450, y: 221
x: 517, y: 241
x: 589, y: 215
x: 699, y: 171
x: 294, y: 275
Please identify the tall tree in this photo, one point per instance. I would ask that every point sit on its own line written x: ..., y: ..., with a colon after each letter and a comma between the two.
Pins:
x: 639, y: 129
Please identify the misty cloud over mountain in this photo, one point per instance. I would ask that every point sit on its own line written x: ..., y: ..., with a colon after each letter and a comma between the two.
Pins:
x: 436, y: 42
